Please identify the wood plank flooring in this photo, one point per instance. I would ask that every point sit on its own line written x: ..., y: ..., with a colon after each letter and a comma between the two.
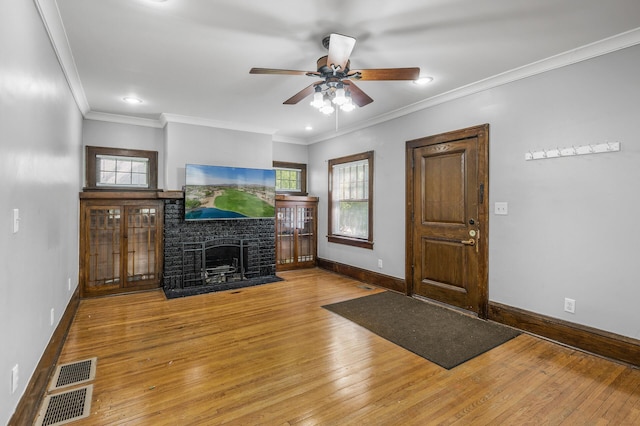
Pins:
x: 271, y: 355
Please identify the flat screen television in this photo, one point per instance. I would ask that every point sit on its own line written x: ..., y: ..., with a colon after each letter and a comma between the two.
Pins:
x: 216, y: 192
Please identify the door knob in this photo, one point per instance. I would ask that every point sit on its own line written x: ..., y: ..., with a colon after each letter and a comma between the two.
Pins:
x: 469, y: 242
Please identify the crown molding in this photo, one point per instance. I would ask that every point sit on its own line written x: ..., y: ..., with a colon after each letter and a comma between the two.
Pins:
x: 123, y: 119
x: 583, y: 53
x: 50, y: 15
x: 219, y: 124
x: 287, y: 139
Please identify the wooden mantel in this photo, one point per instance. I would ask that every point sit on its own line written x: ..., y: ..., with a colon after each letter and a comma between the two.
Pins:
x: 131, y: 195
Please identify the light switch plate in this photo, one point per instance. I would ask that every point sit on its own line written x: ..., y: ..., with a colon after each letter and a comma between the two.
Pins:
x: 501, y: 208
x: 14, y: 378
x: 16, y: 220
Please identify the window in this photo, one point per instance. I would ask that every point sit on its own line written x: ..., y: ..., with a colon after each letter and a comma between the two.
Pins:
x: 109, y: 168
x: 112, y: 170
x: 351, y: 200
x: 291, y: 178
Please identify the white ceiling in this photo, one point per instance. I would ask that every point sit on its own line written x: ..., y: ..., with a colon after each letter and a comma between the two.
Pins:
x: 190, y: 59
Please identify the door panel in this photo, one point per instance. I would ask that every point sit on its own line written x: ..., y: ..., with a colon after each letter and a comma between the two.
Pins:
x: 443, y: 264
x: 447, y: 218
x: 443, y: 184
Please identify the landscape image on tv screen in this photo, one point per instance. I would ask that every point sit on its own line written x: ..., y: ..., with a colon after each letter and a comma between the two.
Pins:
x: 216, y: 192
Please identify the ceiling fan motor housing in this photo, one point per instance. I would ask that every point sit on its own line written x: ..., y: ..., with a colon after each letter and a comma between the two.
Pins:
x: 326, y: 70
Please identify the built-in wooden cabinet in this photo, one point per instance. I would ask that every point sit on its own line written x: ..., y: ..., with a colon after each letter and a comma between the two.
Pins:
x: 120, y: 242
x: 296, y: 232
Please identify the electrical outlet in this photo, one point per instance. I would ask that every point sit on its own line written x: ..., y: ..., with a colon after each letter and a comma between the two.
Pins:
x: 14, y: 378
x: 569, y: 305
x: 53, y: 315
x: 380, y: 263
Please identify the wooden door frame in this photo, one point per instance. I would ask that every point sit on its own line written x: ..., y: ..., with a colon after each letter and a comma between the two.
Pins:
x: 482, y: 133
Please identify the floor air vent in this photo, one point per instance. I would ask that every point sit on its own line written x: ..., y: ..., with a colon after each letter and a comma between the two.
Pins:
x: 65, y: 407
x: 74, y: 373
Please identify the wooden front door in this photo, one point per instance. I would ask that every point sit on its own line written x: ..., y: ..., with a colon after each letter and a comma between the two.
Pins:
x: 447, y: 218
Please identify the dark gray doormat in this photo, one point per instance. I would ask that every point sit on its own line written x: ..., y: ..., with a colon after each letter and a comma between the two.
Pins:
x: 442, y: 336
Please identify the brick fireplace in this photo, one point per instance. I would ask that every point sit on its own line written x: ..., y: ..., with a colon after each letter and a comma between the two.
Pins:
x: 213, y: 255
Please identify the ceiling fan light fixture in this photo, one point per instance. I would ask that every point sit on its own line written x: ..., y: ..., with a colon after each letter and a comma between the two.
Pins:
x: 348, y: 105
x: 340, y: 97
x: 318, y: 98
x: 327, y: 108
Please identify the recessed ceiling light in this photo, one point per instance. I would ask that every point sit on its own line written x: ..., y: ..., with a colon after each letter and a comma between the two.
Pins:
x: 423, y: 80
x: 132, y: 100
x: 308, y: 128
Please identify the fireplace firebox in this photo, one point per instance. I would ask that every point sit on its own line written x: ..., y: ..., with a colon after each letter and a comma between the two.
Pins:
x: 219, y: 261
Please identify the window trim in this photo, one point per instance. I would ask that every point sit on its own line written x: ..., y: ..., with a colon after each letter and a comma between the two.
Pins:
x: 303, y: 176
x: 341, y: 239
x: 91, y: 154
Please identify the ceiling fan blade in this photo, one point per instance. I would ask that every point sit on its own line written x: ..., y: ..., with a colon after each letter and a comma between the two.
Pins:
x: 280, y: 72
x: 358, y: 96
x: 386, y: 74
x: 340, y: 48
x: 302, y: 94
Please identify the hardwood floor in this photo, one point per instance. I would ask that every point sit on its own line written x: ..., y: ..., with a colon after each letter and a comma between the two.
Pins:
x: 271, y: 355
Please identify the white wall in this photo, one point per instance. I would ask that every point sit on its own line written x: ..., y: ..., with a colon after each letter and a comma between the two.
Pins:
x: 569, y: 232
x: 290, y: 153
x: 40, y: 171
x: 126, y: 136
x: 190, y: 144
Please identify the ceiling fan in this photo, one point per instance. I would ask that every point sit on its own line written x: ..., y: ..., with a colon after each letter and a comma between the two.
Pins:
x: 336, y: 84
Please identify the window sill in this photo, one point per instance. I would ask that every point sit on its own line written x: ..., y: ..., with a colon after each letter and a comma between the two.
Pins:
x: 355, y: 242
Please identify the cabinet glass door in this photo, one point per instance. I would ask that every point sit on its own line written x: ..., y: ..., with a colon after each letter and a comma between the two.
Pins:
x: 306, y: 239
x: 104, y: 247
x: 141, y: 237
x: 285, y: 235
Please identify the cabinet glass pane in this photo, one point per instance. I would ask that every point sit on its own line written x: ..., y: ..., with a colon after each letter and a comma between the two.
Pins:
x: 305, y: 234
x: 285, y: 243
x: 141, y: 245
x: 104, y: 247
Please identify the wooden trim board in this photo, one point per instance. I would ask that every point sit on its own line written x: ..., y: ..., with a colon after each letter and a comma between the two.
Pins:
x: 363, y: 275
x: 589, y: 339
